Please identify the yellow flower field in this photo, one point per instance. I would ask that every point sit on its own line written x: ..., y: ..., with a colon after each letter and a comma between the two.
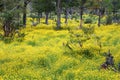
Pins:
x: 42, y: 55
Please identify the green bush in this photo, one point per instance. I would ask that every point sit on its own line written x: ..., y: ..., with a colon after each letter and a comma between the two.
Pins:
x: 7, y: 40
x: 103, y: 20
x: 88, y: 30
x: 1, y: 37
x: 88, y: 20
x: 87, y: 53
x: 118, y: 18
x: 108, y: 20
x: 20, y: 37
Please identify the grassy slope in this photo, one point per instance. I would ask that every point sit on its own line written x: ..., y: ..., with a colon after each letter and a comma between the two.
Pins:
x: 42, y: 56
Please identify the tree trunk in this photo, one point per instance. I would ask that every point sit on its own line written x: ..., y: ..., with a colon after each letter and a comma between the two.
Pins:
x: 58, y: 14
x: 50, y: 15
x: 18, y: 17
x: 24, y: 13
x: 114, y: 14
x: 66, y: 15
x: 39, y: 17
x: 7, y: 29
x: 71, y: 13
x: 47, y: 15
x: 99, y: 18
x: 81, y: 17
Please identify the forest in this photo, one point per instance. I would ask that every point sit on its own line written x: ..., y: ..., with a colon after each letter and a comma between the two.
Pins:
x: 59, y: 39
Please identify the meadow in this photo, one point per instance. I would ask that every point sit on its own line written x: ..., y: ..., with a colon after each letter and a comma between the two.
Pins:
x: 41, y: 54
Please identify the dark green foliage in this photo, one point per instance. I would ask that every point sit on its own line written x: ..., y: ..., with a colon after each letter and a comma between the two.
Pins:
x: 1, y: 37
x: 84, y: 52
x: 61, y: 69
x: 20, y: 37
x: 64, y: 67
x: 75, y: 16
x: 119, y: 67
x: 80, y: 38
x: 17, y: 36
x: 109, y: 19
x: 116, y: 41
x: 41, y: 63
x: 88, y: 21
x: 7, y: 40
x: 118, y: 18
x: 40, y: 6
x: 88, y: 30
x: 4, y: 61
x: 32, y: 43
x: 87, y: 53
x: 1, y: 72
x: 77, y: 40
x: 70, y: 76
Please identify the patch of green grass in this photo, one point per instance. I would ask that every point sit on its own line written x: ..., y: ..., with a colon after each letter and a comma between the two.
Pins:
x: 4, y: 61
x: 32, y: 43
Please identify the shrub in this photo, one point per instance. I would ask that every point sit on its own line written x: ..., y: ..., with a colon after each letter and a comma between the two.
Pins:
x: 103, y: 20
x: 20, y: 37
x: 118, y: 18
x: 87, y: 53
x: 7, y: 40
x: 88, y: 30
x: 108, y: 19
x: 88, y: 20
x: 1, y: 37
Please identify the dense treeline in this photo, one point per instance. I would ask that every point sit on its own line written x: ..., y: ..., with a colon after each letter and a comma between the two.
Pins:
x: 13, y: 13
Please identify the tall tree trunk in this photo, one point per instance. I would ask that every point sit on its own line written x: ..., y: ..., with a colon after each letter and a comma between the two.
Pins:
x: 66, y: 15
x: 50, y: 15
x: 114, y: 14
x: 71, y: 13
x: 99, y: 18
x: 4, y: 5
x: 7, y: 29
x: 47, y: 15
x: 39, y: 17
x: 24, y: 13
x: 18, y: 17
x: 58, y: 14
x: 81, y: 17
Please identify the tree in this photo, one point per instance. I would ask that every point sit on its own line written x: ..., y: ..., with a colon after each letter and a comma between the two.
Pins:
x: 115, y: 7
x: 37, y: 7
x: 58, y: 6
x: 48, y: 6
x: 45, y: 6
x: 1, y: 5
x: 66, y: 4
x: 25, y: 3
x: 97, y: 5
x: 9, y: 16
x: 81, y: 5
